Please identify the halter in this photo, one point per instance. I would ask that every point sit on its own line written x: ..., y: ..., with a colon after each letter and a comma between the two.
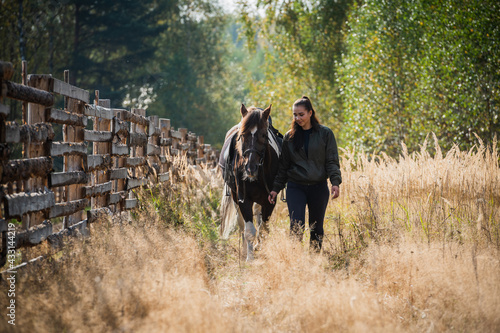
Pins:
x: 260, y: 165
x: 260, y: 153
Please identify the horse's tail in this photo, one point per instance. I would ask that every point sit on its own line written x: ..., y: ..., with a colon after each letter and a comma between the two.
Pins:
x: 228, y: 216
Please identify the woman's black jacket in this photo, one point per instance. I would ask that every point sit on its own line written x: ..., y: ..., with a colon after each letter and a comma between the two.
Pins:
x: 321, y: 162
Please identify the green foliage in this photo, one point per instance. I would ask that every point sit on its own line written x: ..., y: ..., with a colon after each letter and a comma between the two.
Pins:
x: 104, y: 44
x: 161, y: 202
x: 205, y: 214
x: 463, y: 69
x: 395, y: 72
x: 171, y: 55
x: 301, y: 43
x: 190, y: 205
x: 113, y: 42
x: 195, y: 83
x: 411, y: 67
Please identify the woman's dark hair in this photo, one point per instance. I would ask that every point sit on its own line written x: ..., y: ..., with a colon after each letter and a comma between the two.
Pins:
x: 296, y: 131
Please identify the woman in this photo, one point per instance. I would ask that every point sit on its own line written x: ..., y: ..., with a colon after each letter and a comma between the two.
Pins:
x: 309, y: 157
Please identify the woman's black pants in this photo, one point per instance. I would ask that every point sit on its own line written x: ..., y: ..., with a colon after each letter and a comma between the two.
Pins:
x: 316, y: 198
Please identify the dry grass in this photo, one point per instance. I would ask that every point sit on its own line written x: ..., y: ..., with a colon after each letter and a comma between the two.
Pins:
x: 412, y: 245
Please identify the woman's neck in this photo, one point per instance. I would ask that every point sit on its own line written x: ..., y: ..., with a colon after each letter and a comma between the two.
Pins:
x: 307, y: 126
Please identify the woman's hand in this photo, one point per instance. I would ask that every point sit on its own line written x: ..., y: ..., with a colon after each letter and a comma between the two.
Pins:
x: 335, y: 192
x: 272, y: 197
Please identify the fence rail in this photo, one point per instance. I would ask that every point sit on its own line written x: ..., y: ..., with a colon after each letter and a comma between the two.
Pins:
x: 122, y: 151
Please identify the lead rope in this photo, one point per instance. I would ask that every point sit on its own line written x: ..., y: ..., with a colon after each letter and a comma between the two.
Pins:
x: 264, y: 178
x: 267, y: 187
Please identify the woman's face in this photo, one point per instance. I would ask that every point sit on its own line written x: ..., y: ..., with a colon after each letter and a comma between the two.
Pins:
x: 302, y: 116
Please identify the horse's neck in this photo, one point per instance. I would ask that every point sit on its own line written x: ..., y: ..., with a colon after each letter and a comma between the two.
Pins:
x: 270, y: 161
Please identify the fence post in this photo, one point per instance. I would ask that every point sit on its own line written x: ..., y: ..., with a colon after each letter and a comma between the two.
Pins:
x: 166, y: 143
x: 201, y: 153
x: 137, y: 151
x: 73, y: 134
x: 102, y: 148
x: 65, y: 197
x: 36, y: 114
x: 184, y: 146
x: 153, y: 148
x: 26, y: 183
x: 120, y: 161
x: 24, y: 76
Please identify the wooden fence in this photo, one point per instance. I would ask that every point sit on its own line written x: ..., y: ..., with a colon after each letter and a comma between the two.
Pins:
x: 106, y: 153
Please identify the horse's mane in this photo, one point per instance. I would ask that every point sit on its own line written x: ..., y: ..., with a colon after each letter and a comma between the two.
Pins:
x: 252, y: 119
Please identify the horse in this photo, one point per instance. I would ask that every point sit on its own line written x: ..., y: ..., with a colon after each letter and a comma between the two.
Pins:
x: 249, y: 163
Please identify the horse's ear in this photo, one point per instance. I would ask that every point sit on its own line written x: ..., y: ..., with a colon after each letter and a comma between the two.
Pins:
x: 267, y: 112
x: 243, y: 110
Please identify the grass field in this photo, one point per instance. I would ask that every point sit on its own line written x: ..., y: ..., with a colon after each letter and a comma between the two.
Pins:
x: 411, y: 245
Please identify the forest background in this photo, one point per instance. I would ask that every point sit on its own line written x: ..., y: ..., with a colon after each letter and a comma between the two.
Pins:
x: 378, y: 72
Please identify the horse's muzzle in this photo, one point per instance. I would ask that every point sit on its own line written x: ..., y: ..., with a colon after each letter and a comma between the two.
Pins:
x: 254, y: 160
x: 252, y: 171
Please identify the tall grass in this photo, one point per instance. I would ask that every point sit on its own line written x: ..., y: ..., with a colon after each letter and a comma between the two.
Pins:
x: 445, y: 197
x: 412, y: 244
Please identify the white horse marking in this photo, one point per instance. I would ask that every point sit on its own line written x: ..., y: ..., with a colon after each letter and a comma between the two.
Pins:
x: 273, y: 143
x: 249, y: 237
x: 250, y: 230
x: 253, y: 131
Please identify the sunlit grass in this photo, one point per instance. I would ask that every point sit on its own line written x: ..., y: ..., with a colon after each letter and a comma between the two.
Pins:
x: 411, y: 245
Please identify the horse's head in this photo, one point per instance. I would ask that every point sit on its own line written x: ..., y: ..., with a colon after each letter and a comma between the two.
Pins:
x: 252, y: 140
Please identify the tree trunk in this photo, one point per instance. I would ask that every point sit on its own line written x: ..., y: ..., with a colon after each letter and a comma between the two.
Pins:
x: 22, y: 42
x: 76, y: 46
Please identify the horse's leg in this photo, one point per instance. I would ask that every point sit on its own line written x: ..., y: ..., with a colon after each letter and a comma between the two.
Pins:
x: 267, y: 210
x: 249, y: 229
x: 264, y: 213
x: 241, y: 225
x: 257, y: 213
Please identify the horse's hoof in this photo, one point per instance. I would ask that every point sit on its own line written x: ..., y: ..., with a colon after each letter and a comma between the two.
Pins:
x: 250, y: 231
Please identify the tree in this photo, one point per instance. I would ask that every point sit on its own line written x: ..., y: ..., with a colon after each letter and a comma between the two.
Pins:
x: 109, y: 42
x: 133, y: 51
x: 461, y: 69
x: 114, y: 42
x: 302, y: 44
x: 37, y: 32
x: 195, y: 83
x: 412, y: 67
